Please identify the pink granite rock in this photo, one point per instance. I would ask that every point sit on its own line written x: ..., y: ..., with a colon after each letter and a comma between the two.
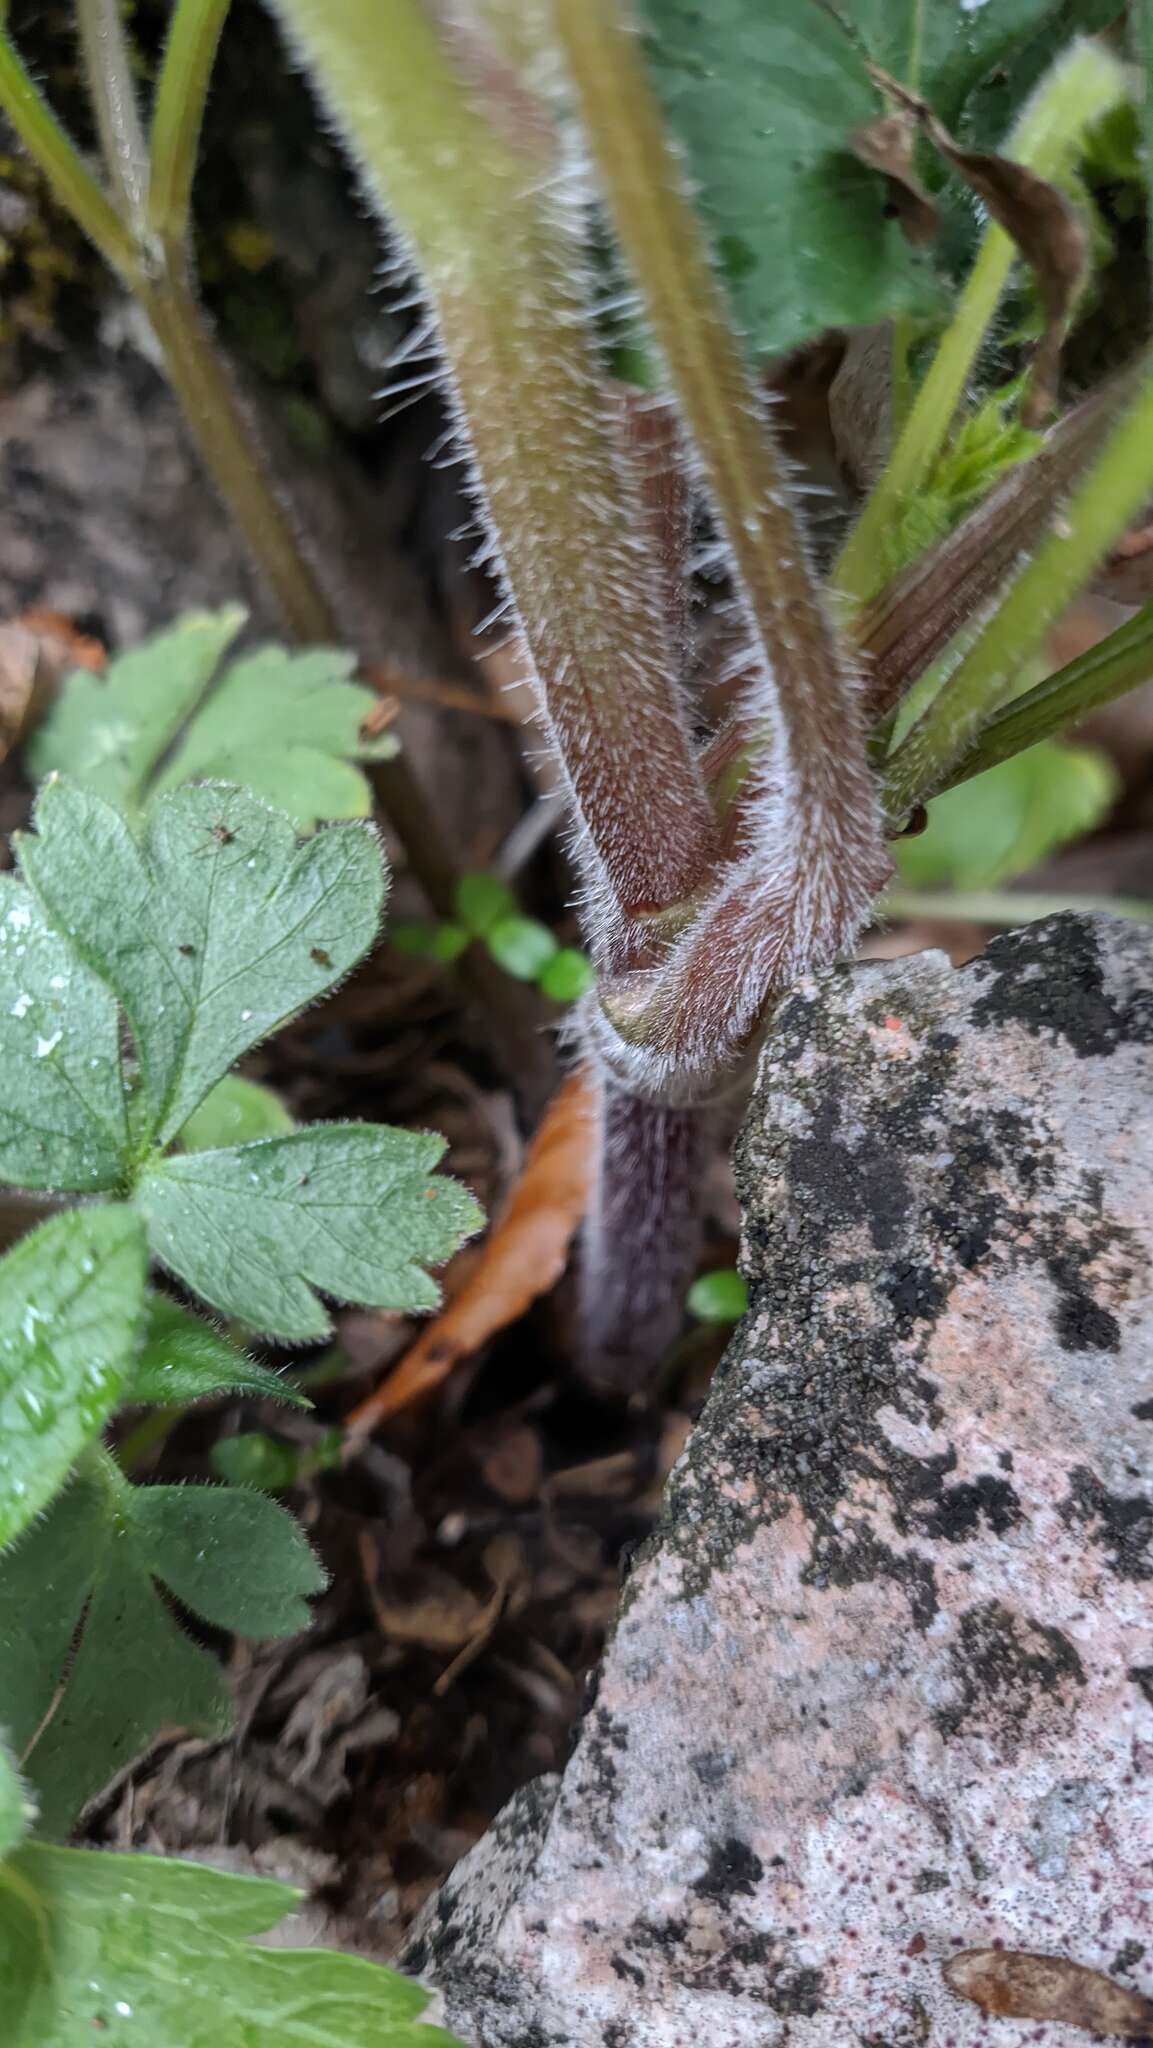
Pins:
x: 882, y: 1685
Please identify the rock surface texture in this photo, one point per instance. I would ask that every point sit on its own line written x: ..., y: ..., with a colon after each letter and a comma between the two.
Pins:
x: 882, y: 1686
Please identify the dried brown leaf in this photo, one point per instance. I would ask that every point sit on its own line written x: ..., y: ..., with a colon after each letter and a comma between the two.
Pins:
x: 523, y: 1256
x: 1018, y: 1985
x: 1046, y: 229
x: 886, y: 145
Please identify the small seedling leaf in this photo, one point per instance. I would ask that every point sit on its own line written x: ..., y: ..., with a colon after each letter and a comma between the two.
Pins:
x: 481, y: 900
x: 255, y: 1459
x: 348, y: 1210
x: 71, y: 1297
x: 286, y: 726
x: 62, y: 1114
x: 720, y: 1297
x: 184, y: 1359
x: 135, y: 1951
x: 566, y: 976
x: 521, y: 946
x: 213, y: 931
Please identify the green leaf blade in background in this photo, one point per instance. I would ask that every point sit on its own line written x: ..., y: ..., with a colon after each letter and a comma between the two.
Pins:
x: 236, y: 1112
x: 62, y: 1115
x: 71, y: 1301
x: 764, y: 100
x: 213, y: 932
x: 17, y: 1807
x: 348, y: 1210
x: 1000, y: 824
x: 185, y: 1359
x: 287, y: 726
x: 147, y: 1952
x: 108, y: 732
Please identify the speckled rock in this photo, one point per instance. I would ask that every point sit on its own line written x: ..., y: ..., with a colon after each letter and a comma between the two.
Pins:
x: 882, y: 1684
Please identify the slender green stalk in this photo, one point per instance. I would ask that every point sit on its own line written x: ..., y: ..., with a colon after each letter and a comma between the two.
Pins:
x: 1101, y: 508
x: 178, y: 114
x: 1082, y: 86
x: 112, y: 88
x: 1002, y: 906
x: 501, y: 261
x: 62, y: 164
x: 1120, y: 662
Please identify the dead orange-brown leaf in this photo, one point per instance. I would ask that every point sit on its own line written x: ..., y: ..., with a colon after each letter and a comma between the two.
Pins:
x: 523, y: 1256
x: 1015, y: 1984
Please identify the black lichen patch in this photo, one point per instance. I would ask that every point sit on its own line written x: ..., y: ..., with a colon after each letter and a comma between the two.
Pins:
x: 1050, y: 979
x: 732, y: 1868
x: 1142, y: 1411
x: 961, y: 1510
x: 1081, y: 1322
x: 1004, y: 1664
x: 1121, y: 1523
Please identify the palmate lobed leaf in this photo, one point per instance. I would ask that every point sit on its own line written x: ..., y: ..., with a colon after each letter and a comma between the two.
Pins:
x: 78, y: 1712
x: 63, y: 1121
x: 213, y: 931
x: 144, y: 1952
x: 71, y: 1300
x: 764, y: 100
x: 352, y: 1210
x: 286, y: 726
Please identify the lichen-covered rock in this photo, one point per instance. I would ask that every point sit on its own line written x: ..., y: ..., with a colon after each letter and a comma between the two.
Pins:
x: 882, y: 1686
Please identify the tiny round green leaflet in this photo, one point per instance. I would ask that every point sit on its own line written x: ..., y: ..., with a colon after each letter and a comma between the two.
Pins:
x: 720, y: 1297
x: 566, y: 975
x: 521, y: 946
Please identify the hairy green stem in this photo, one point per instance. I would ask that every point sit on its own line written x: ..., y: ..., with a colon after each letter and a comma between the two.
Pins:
x: 500, y: 259
x: 112, y: 89
x: 1085, y: 83
x: 1100, y: 509
x: 1120, y: 662
x: 62, y: 165
x: 178, y: 113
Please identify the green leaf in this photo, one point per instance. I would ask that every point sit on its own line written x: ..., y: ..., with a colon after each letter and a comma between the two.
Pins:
x: 134, y: 1671
x: 521, y: 946
x: 765, y: 99
x: 286, y: 726
x: 184, y: 1359
x: 109, y: 731
x: 148, y: 1952
x: 481, y: 900
x: 71, y: 1296
x: 17, y: 1807
x: 347, y: 1209
x: 567, y: 975
x: 1003, y: 822
x: 62, y: 1116
x: 213, y: 931
x: 233, y: 1557
x: 255, y: 1459
x: 719, y: 1297
x: 235, y: 1112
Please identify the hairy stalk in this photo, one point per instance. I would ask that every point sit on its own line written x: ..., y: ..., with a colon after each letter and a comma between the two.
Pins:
x: 1084, y: 84
x: 1100, y: 509
x: 498, y: 250
x: 812, y: 857
x: 112, y: 90
x: 147, y: 246
x: 948, y: 588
